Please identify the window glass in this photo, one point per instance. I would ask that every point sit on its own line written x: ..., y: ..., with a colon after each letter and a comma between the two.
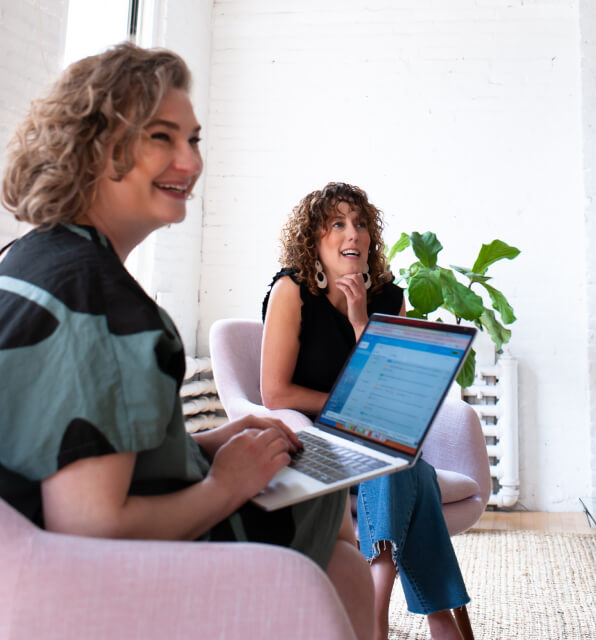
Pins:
x: 93, y: 26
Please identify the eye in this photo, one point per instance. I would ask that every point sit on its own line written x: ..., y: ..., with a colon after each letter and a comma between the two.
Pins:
x: 194, y: 141
x: 160, y: 135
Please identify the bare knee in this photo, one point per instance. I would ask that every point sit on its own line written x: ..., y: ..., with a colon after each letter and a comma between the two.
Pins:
x: 350, y: 574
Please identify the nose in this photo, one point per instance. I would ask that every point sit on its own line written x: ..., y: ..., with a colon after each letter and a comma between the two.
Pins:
x: 189, y: 160
x: 352, y: 231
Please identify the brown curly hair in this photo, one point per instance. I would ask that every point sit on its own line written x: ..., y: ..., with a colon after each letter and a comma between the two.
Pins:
x: 60, y: 149
x: 311, y: 216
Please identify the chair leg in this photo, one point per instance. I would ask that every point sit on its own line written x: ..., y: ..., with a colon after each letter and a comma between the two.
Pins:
x: 463, y: 622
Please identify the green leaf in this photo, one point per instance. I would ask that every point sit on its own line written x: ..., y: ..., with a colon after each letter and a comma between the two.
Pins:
x: 458, y: 299
x: 464, y: 270
x: 474, y: 277
x: 413, y: 269
x: 490, y: 253
x: 496, y: 330
x: 465, y: 377
x: 399, y: 246
x: 426, y: 247
x: 424, y: 290
x: 415, y: 313
x: 500, y: 304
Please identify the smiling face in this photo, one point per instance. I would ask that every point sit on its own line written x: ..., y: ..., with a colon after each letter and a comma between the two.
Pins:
x: 167, y: 164
x: 343, y: 246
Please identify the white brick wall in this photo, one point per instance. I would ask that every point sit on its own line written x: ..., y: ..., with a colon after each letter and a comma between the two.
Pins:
x: 32, y: 45
x: 462, y: 117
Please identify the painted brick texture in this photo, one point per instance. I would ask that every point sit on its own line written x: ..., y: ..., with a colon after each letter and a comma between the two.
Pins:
x: 32, y: 43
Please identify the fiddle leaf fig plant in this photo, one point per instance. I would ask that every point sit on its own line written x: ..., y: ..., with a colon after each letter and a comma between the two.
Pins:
x: 431, y: 286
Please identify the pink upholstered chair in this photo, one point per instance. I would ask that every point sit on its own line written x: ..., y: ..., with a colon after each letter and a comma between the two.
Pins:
x: 60, y: 587
x: 455, y: 445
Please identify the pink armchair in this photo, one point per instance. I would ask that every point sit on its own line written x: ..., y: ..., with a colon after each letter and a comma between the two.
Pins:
x: 455, y: 446
x: 60, y: 587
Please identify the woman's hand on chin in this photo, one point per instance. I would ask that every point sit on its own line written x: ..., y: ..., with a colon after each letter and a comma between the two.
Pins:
x: 352, y: 286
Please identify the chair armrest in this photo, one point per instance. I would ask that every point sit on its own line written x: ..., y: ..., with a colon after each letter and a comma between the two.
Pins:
x: 456, y: 443
x: 235, y: 346
x: 239, y: 407
x: 236, y: 357
x: 67, y: 587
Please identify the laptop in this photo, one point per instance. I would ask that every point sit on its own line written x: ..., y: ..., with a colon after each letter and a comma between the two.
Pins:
x: 379, y: 411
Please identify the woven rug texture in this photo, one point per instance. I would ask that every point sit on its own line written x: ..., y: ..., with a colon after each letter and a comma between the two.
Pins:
x: 522, y: 584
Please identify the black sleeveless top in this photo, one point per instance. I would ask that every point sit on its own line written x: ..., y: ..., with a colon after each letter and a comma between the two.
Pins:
x: 326, y: 335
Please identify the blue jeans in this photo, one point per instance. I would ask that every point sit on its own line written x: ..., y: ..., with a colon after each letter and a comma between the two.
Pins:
x: 404, y: 510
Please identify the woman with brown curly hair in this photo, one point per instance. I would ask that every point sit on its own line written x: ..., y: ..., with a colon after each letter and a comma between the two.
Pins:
x: 93, y: 436
x: 334, y: 275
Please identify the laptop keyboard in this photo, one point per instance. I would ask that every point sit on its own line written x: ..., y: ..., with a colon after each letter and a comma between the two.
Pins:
x: 330, y: 462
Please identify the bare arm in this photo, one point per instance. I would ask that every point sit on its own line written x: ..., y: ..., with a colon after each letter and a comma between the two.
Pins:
x: 280, y: 353
x: 90, y: 496
x: 281, y: 344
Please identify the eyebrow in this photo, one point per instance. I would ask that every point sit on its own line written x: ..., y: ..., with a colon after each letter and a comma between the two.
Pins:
x: 339, y: 214
x: 171, y: 125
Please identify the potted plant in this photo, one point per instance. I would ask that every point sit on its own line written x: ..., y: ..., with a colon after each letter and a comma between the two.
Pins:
x: 431, y: 286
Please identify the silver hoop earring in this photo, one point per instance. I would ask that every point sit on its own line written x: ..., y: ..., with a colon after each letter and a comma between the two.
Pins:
x: 366, y: 276
x: 320, y: 275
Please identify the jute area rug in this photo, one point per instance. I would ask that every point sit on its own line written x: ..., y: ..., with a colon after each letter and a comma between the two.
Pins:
x: 522, y: 584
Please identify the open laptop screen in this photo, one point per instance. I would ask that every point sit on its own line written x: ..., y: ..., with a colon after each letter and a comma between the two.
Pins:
x: 395, y: 380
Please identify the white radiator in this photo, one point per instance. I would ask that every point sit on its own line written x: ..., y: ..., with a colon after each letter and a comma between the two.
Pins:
x: 201, y: 406
x: 494, y: 398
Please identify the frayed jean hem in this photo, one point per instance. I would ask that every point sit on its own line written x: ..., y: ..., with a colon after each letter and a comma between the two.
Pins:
x: 403, y: 512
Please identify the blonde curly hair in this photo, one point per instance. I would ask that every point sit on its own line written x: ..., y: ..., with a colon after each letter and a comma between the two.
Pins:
x: 311, y: 216
x: 60, y: 150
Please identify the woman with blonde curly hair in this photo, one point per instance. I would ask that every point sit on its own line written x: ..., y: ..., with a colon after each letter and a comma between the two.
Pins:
x: 93, y: 435
x: 94, y: 114
x: 334, y: 275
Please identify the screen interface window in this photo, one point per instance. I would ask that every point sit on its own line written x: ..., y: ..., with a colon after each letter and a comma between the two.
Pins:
x: 394, y: 383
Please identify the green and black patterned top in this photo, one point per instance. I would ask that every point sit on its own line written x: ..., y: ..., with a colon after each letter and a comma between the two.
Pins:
x: 90, y: 365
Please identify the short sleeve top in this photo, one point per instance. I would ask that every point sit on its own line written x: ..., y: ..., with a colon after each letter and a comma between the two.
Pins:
x: 326, y: 335
x: 90, y: 365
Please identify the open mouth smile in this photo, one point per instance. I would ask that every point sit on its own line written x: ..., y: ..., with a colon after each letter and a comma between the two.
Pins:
x: 179, y: 190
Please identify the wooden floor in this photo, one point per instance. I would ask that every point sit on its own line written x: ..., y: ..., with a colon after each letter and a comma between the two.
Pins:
x: 535, y: 521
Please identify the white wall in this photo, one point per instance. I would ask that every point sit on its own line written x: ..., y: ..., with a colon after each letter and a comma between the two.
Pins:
x: 588, y: 50
x: 462, y: 117
x: 32, y: 44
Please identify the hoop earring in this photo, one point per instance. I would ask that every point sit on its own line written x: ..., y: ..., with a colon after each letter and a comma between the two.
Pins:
x: 366, y: 276
x: 320, y: 276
